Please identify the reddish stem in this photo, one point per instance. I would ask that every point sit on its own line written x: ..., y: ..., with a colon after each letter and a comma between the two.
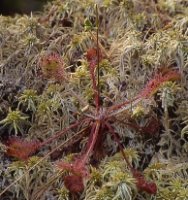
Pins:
x: 151, y: 87
x: 114, y: 134
x: 59, y: 134
x: 92, y: 65
x: 91, y: 142
x: 131, y: 125
x: 121, y: 105
x: 98, y: 57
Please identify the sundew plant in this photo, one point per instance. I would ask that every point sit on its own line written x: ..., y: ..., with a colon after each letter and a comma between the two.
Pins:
x: 94, y: 101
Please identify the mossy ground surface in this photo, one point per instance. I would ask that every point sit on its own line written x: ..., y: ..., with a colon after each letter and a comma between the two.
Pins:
x: 137, y: 39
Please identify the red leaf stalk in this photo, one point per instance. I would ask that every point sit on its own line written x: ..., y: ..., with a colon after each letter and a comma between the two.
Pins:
x: 59, y: 134
x: 74, y: 182
x: 113, y: 110
x: 111, y: 130
x: 93, y: 57
x: 141, y: 183
x: 91, y: 142
x: 151, y: 87
x: 22, y: 149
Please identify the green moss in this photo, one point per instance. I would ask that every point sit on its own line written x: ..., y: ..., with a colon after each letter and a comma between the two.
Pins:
x: 136, y: 39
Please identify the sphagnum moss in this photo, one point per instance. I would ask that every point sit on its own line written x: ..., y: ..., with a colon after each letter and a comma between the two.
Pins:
x: 137, y: 39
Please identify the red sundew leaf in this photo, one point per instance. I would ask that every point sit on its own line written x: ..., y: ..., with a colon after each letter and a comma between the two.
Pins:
x: 91, y: 56
x: 74, y: 184
x: 52, y: 67
x: 143, y: 185
x: 21, y: 149
x: 76, y: 168
x: 159, y: 79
